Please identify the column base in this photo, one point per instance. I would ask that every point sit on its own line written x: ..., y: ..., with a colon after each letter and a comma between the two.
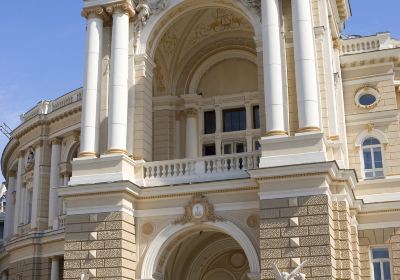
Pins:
x: 293, y: 150
x: 87, y: 154
x: 276, y: 133
x: 309, y: 129
x: 116, y: 151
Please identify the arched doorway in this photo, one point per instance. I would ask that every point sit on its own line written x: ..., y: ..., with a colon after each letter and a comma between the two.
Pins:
x: 207, y: 251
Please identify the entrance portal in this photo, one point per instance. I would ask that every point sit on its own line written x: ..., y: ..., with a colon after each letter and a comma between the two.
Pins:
x: 206, y: 256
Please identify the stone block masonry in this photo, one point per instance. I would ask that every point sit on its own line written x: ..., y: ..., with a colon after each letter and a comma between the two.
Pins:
x: 101, y: 245
x: 293, y: 230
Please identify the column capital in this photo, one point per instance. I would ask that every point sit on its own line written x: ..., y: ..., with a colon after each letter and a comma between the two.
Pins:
x: 95, y: 12
x: 191, y: 112
x: 124, y: 7
x: 55, y: 141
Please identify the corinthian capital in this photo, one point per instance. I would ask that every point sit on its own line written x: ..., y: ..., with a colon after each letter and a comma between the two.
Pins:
x: 93, y: 12
x: 124, y: 7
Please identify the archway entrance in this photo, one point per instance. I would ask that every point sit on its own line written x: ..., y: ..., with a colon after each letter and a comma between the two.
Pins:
x: 207, y: 251
x: 206, y: 256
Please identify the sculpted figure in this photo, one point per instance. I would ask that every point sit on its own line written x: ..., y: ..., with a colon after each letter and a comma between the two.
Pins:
x: 294, y: 275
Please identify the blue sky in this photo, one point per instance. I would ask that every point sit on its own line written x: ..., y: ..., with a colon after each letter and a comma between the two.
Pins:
x: 42, y: 47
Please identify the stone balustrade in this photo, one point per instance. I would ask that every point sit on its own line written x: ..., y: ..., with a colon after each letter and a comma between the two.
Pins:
x: 204, y: 169
x: 47, y: 107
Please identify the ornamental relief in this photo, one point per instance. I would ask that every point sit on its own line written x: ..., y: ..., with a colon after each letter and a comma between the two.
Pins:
x: 222, y: 20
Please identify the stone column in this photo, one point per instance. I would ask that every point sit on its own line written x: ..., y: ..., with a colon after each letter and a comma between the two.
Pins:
x: 91, y: 84
x: 249, y: 116
x: 10, y: 208
x: 18, y: 193
x: 55, y: 268
x: 218, y: 120
x: 305, y: 64
x: 177, y: 134
x: 4, y: 275
x: 54, y: 181
x: 272, y: 61
x: 36, y: 191
x: 118, y: 98
x: 191, y: 133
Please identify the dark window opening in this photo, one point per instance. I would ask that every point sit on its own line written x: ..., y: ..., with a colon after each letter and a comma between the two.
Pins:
x: 234, y: 119
x: 256, y: 117
x: 209, y: 150
x: 209, y: 122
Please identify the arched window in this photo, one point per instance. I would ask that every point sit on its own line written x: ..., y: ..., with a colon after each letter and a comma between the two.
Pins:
x: 372, y: 157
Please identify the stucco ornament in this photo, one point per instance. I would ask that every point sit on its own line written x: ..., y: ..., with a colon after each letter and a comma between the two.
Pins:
x: 253, y: 5
x: 198, y: 211
x: 295, y: 274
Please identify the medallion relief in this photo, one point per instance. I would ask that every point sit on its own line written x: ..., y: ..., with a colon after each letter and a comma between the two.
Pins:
x: 198, y: 211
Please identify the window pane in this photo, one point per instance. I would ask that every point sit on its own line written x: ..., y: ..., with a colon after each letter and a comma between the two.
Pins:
x: 378, y: 158
x: 239, y: 148
x: 367, y: 159
x: 367, y: 99
x: 369, y: 174
x: 257, y: 145
x: 380, y: 253
x: 256, y: 117
x: 386, y: 271
x: 209, y: 122
x: 209, y: 150
x: 379, y: 173
x: 377, y: 271
x: 234, y: 119
x: 371, y: 141
x: 227, y: 149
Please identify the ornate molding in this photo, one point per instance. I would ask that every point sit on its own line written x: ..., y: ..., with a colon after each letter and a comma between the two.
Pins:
x: 94, y: 12
x: 198, y: 211
x: 253, y: 5
x: 125, y: 7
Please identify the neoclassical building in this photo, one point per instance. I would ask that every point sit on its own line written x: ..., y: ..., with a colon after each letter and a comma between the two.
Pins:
x: 212, y: 140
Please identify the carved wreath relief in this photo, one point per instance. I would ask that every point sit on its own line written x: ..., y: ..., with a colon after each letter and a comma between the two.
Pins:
x: 198, y: 211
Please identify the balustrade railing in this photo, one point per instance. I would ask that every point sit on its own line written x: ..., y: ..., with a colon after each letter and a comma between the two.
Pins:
x: 46, y: 107
x: 203, y: 169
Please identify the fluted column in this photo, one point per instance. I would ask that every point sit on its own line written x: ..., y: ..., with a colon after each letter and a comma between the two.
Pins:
x: 191, y: 133
x: 36, y: 189
x: 91, y: 84
x: 272, y: 62
x: 18, y: 193
x: 305, y: 64
x: 118, y: 98
x: 10, y: 208
x: 54, y: 181
x: 55, y: 268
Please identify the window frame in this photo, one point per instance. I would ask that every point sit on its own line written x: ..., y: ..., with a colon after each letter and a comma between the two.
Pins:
x: 236, y: 109
x: 370, y: 149
x: 380, y: 261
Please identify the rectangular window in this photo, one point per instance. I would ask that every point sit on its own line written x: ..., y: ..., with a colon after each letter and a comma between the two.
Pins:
x: 233, y: 148
x: 234, y: 119
x: 209, y: 150
x: 381, y: 263
x: 256, y: 117
x: 209, y: 122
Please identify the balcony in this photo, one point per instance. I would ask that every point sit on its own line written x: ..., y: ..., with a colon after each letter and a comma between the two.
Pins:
x: 117, y: 168
x: 204, y: 169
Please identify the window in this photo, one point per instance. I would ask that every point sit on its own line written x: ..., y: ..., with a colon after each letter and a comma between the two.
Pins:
x: 233, y: 148
x: 257, y: 145
x: 381, y: 263
x: 256, y: 117
x: 367, y: 99
x: 209, y: 150
x: 234, y: 119
x: 372, y: 157
x: 209, y: 122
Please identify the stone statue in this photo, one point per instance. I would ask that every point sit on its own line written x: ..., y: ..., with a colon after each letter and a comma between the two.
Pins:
x: 295, y: 274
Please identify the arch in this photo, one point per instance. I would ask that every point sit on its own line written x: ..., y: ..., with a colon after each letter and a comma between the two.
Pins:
x: 166, y: 236
x: 375, y: 133
x: 215, y: 59
x: 161, y: 22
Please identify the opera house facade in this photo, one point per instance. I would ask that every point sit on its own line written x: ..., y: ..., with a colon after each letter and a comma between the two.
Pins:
x: 212, y: 140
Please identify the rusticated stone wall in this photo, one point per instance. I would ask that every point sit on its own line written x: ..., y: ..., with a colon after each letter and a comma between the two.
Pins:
x: 300, y: 229
x: 102, y: 245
